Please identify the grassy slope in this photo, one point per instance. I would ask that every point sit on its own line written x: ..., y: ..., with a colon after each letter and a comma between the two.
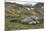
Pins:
x: 13, y: 11
x: 14, y: 25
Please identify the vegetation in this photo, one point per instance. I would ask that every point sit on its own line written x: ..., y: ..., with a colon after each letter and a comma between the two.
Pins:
x: 17, y: 11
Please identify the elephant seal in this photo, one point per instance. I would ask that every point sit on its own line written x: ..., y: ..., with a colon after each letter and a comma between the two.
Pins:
x: 30, y: 20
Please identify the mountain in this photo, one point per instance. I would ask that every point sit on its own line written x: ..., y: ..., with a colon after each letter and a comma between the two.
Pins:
x: 39, y: 5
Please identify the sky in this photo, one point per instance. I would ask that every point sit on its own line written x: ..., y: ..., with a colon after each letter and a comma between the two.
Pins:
x: 26, y: 0
x: 33, y: 2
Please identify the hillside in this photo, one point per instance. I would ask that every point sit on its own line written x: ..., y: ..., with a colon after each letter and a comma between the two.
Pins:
x: 15, y: 11
x: 13, y: 8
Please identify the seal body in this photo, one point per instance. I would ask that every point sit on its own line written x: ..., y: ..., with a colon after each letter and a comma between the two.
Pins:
x: 31, y: 20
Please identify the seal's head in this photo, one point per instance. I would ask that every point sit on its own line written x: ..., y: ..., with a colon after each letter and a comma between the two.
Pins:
x: 34, y: 18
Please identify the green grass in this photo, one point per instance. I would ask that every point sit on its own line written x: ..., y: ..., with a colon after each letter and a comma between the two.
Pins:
x: 18, y: 26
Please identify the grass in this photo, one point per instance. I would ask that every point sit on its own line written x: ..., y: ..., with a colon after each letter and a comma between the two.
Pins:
x: 18, y: 26
x: 13, y: 11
